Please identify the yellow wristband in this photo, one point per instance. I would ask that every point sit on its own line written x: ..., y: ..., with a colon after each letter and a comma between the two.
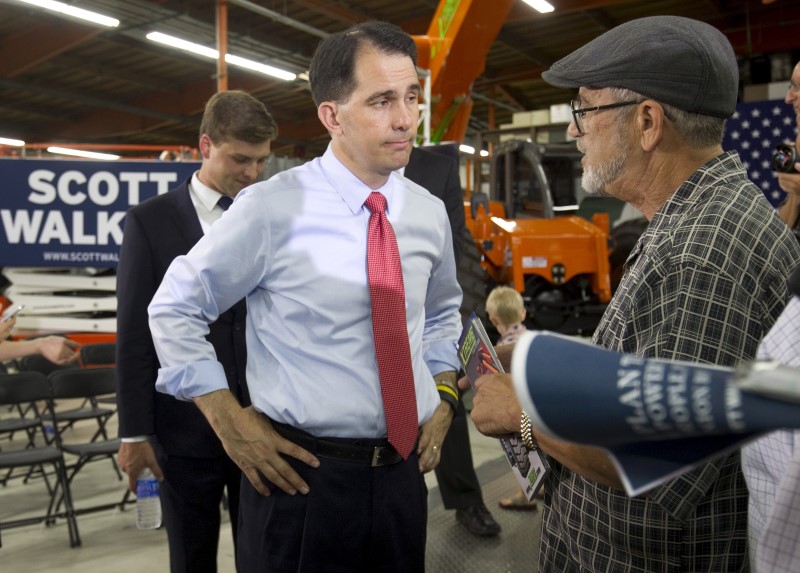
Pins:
x: 448, y: 394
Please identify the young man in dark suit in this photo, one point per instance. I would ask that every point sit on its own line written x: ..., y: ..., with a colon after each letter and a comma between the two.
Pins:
x: 455, y: 473
x: 171, y: 437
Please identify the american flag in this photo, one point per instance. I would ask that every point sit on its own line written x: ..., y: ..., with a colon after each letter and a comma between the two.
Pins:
x: 754, y: 131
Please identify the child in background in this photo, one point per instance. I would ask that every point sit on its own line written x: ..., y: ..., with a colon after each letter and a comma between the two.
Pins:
x: 506, y: 311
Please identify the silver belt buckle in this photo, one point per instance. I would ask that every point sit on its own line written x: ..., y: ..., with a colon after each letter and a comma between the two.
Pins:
x: 379, y: 458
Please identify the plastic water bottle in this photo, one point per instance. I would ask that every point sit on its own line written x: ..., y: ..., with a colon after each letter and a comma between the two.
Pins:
x: 148, y: 505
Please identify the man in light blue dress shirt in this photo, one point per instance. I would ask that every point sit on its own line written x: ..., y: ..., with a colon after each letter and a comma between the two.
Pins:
x: 295, y: 246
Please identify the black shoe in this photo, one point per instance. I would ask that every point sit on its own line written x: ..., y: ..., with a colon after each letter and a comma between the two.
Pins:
x: 478, y: 521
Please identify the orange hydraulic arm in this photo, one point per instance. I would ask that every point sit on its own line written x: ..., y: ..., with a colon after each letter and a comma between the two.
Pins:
x: 454, y: 50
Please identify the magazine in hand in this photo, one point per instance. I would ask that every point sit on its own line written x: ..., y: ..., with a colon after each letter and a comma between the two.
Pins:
x: 656, y: 418
x: 477, y: 355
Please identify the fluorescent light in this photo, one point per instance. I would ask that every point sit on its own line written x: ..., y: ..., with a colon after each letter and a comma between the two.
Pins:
x: 484, y: 153
x: 82, y: 153
x: 263, y: 68
x: 62, y: 8
x: 540, y: 5
x: 183, y: 45
x: 12, y: 142
x: 466, y: 149
x: 214, y: 55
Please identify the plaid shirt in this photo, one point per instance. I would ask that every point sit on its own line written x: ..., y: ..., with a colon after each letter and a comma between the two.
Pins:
x: 704, y: 283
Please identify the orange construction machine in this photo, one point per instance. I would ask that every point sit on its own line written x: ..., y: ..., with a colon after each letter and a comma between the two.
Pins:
x: 540, y: 235
x: 532, y: 231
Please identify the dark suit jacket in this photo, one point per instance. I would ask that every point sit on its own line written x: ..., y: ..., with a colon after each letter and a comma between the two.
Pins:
x: 157, y: 231
x: 439, y: 175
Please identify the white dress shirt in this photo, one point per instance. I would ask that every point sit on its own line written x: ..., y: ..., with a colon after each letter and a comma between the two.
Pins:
x: 206, y: 202
x: 774, y: 539
x: 296, y: 247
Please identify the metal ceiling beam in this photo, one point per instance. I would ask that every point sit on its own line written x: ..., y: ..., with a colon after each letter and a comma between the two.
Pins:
x: 31, y: 46
x: 334, y: 11
x: 600, y: 18
x: 496, y: 102
x: 277, y: 17
x: 522, y: 12
x: 88, y: 100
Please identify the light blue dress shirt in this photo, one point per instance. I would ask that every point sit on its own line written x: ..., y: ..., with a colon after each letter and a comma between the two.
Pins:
x: 296, y: 247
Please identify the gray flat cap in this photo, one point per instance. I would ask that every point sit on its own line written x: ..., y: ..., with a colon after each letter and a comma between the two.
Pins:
x: 674, y: 60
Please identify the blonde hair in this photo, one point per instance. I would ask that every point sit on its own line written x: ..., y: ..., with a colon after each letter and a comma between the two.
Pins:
x: 506, y: 305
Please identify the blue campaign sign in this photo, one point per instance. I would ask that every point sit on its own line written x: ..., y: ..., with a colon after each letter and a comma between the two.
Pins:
x: 71, y: 213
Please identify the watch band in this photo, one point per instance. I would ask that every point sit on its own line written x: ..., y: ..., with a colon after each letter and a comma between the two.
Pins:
x: 526, y: 431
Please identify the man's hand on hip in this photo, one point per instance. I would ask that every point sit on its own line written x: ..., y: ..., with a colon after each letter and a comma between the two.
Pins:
x: 253, y: 444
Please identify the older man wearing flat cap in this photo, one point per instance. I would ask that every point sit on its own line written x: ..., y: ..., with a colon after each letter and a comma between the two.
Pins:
x: 705, y: 283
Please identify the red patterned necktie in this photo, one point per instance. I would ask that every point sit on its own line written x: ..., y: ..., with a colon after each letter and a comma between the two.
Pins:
x: 390, y: 328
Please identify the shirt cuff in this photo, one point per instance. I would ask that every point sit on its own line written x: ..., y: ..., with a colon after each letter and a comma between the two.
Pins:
x: 192, y: 380
x: 133, y: 439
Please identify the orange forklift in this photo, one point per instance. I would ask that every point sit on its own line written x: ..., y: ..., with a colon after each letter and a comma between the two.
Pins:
x: 541, y: 236
x: 535, y: 231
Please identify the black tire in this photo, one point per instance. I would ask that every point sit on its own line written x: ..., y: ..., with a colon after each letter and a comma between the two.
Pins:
x: 472, y: 279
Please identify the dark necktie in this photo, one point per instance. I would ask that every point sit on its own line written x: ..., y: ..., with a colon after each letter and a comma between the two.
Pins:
x: 224, y: 202
x: 390, y: 328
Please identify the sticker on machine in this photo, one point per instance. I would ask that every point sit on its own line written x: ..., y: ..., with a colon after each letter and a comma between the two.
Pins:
x: 534, y: 262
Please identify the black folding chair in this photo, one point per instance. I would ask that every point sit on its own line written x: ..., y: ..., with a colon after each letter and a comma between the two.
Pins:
x: 32, y: 387
x: 38, y: 363
x: 87, y: 383
x: 22, y: 417
x: 101, y: 354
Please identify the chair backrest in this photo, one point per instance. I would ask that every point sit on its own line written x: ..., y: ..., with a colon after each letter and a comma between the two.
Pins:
x: 38, y: 363
x: 23, y: 387
x: 100, y: 354
x: 82, y: 382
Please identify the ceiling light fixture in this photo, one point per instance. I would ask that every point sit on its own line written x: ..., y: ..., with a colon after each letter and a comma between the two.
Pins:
x: 214, y: 54
x: 67, y: 10
x: 82, y: 153
x: 541, y: 6
x: 466, y: 149
x: 12, y: 142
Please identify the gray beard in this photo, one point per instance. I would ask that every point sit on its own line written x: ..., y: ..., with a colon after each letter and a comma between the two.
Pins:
x: 595, y: 178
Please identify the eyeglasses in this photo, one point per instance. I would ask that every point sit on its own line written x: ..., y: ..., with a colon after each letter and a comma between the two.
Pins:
x: 577, y: 114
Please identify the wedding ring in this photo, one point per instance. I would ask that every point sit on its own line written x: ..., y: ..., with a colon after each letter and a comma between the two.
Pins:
x: 435, y: 448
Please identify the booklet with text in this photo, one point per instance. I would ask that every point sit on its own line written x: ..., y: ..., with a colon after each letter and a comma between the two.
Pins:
x: 477, y: 356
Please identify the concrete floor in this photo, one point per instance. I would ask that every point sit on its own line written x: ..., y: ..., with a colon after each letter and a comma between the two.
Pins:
x: 111, y: 541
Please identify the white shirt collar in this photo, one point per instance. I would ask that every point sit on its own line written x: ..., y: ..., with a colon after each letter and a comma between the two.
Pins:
x: 203, y: 193
x: 352, y: 190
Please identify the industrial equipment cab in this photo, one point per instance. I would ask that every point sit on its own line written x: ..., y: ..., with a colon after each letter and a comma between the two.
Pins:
x: 535, y: 236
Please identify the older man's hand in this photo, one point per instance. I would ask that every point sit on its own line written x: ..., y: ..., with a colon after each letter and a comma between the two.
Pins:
x: 495, y: 408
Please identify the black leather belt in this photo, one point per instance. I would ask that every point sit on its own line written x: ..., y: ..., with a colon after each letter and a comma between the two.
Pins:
x: 374, y: 455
